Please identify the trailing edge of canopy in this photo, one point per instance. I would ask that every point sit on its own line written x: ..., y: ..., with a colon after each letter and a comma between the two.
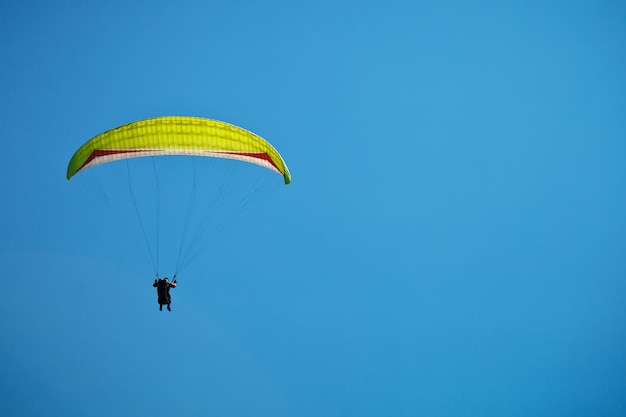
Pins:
x: 178, y: 135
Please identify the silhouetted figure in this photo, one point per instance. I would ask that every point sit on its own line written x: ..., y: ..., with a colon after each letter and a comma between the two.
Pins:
x: 163, y: 291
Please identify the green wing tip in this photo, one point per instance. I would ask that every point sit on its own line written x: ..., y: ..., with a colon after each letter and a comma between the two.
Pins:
x: 70, y: 171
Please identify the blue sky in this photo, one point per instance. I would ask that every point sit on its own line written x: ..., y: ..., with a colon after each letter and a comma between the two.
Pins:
x: 453, y: 242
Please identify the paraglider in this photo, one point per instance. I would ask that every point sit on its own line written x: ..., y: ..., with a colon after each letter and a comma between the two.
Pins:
x: 176, y: 136
x: 163, y: 286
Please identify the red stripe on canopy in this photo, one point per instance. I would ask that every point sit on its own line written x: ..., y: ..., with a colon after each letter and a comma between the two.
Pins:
x: 258, y: 155
x: 97, y: 153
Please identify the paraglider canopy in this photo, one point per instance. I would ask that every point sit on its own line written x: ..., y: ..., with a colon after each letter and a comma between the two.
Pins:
x: 178, y: 135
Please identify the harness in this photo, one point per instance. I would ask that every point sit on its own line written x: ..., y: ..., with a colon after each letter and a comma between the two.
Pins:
x: 163, y: 290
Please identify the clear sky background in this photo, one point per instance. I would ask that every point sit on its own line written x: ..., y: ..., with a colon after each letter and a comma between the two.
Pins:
x: 453, y: 242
